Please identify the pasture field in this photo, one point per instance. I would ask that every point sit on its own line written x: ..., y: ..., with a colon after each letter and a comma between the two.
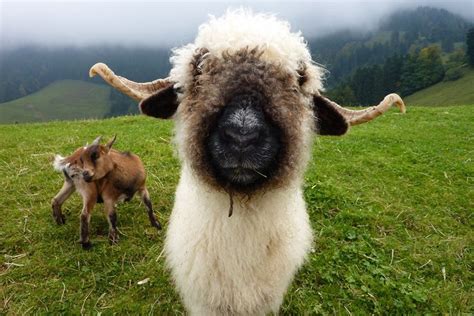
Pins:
x: 446, y: 93
x: 391, y: 206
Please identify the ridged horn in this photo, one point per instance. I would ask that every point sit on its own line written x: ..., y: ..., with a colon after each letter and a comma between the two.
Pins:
x: 96, y: 141
x: 355, y: 117
x: 136, y: 90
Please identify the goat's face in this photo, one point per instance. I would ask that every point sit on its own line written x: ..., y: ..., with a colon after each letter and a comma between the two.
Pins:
x: 71, y: 166
x: 74, y: 170
x: 95, y: 161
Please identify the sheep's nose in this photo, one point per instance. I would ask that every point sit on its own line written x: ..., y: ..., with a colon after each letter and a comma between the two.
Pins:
x: 242, y: 122
x: 241, y: 137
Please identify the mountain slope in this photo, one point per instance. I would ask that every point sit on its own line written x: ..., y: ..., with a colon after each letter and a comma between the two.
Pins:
x: 61, y: 100
x: 459, y: 92
x: 400, y: 33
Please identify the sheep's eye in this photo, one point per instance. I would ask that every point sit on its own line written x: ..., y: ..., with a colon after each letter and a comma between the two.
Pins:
x: 302, y: 75
x: 94, y: 156
x: 302, y: 78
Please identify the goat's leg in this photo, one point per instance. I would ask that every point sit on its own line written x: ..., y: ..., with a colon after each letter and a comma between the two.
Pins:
x: 56, y: 203
x: 112, y: 219
x: 151, y: 215
x: 89, y: 203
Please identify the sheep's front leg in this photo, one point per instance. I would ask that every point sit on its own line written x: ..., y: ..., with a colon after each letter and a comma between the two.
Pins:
x: 89, y: 203
x: 112, y: 219
x: 56, y: 203
x: 151, y: 215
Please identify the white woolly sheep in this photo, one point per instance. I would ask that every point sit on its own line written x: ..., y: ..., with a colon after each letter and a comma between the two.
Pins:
x: 246, y: 100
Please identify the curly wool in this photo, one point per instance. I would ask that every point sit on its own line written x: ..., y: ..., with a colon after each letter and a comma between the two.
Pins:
x: 240, y: 29
x: 240, y: 265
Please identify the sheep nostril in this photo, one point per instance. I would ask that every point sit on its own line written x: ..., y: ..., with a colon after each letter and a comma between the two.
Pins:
x: 241, y: 138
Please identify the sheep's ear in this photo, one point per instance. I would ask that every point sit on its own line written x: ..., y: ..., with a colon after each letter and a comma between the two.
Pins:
x: 163, y: 104
x: 328, y: 120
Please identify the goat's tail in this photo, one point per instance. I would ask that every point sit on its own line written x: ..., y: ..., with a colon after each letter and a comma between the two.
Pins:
x: 59, y: 163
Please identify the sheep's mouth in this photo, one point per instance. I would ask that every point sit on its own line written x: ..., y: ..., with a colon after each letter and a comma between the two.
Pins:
x: 243, y: 169
x: 243, y: 176
x: 243, y: 146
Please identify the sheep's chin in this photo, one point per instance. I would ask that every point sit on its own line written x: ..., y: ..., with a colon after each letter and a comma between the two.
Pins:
x: 240, y: 176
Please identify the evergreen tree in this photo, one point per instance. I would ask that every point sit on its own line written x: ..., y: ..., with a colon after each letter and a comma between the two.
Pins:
x: 422, y: 70
x: 454, y: 65
x: 367, y: 85
x: 410, y: 80
x: 470, y: 47
x: 430, y: 65
x: 342, y: 94
x: 392, y: 71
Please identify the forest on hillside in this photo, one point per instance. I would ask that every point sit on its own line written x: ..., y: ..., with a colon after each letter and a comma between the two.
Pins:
x: 401, y: 33
x: 409, y: 51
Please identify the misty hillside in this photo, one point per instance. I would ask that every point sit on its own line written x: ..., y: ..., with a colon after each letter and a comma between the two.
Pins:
x: 61, y: 100
x: 26, y: 70
x: 401, y: 37
x: 459, y: 92
x: 399, y: 34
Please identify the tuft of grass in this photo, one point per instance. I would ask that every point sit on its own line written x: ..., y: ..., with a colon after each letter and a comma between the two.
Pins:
x: 446, y: 93
x: 390, y: 204
x: 61, y: 100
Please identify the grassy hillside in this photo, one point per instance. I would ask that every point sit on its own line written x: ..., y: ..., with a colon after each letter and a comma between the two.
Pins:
x: 390, y: 205
x: 62, y: 100
x: 456, y: 92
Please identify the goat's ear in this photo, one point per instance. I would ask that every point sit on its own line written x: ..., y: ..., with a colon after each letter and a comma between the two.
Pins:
x: 163, y: 104
x: 110, y: 143
x: 328, y: 120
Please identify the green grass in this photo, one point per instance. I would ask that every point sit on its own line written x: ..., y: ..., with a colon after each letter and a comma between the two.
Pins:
x: 62, y: 100
x: 446, y: 93
x: 391, y: 206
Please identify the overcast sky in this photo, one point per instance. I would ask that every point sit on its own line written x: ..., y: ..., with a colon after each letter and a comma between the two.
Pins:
x: 158, y: 23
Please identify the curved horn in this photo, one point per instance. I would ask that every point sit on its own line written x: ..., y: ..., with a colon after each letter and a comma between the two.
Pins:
x: 135, y: 90
x: 96, y: 141
x: 355, y: 117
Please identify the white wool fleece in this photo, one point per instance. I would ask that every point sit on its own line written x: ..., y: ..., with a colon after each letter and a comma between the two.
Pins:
x: 243, y: 264
x: 241, y: 28
x: 238, y: 265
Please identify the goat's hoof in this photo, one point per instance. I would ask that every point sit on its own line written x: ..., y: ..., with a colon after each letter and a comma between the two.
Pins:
x: 157, y: 225
x: 113, y: 241
x: 86, y: 245
x: 113, y: 238
x: 60, y: 219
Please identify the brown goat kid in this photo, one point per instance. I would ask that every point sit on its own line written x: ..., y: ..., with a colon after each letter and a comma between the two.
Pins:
x: 101, y: 174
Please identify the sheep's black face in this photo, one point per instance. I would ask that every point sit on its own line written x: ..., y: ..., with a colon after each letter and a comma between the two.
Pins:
x: 243, y: 123
x: 243, y: 145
